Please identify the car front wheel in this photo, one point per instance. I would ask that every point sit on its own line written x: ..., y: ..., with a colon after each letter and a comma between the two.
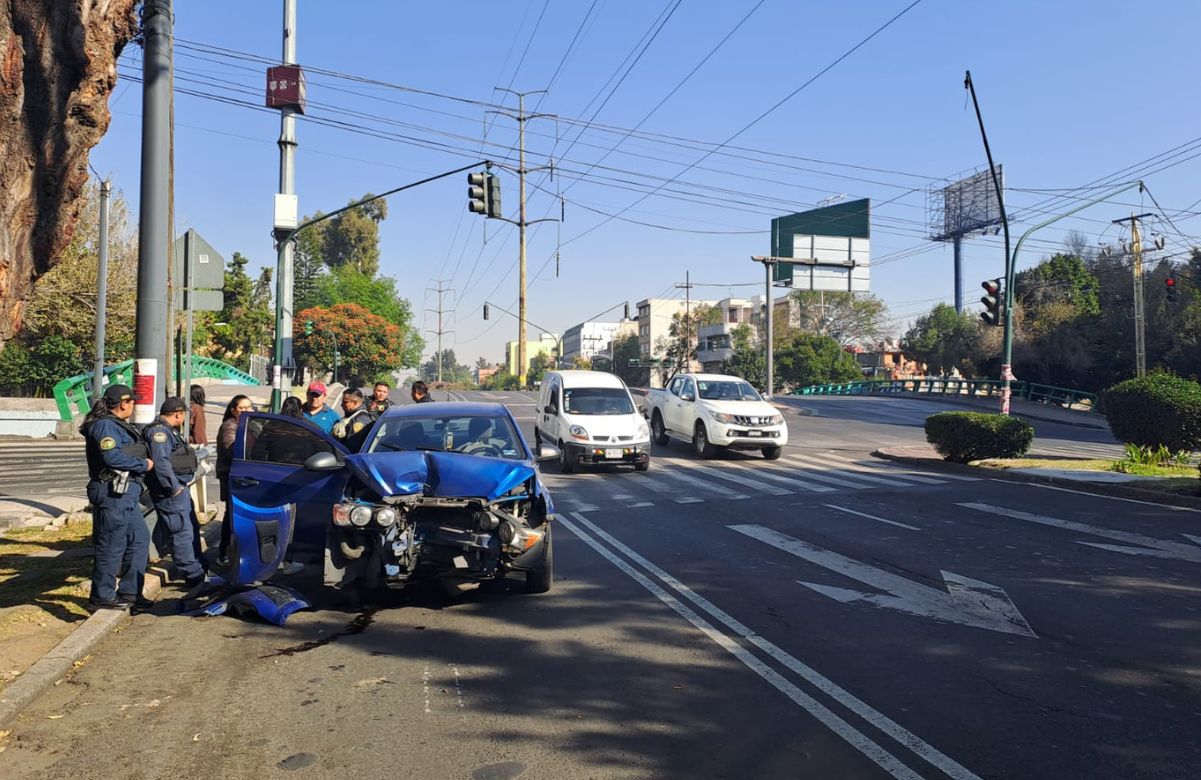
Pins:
x: 658, y: 432
x: 772, y: 453
x: 565, y: 464
x: 644, y: 466
x: 700, y: 442
x: 541, y: 580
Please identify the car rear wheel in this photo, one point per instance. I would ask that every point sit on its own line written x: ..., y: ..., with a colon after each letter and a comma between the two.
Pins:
x: 700, y: 442
x: 772, y: 453
x: 541, y: 580
x: 565, y: 464
x: 658, y: 432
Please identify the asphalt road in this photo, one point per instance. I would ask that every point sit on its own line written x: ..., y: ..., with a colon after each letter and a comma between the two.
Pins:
x: 825, y: 615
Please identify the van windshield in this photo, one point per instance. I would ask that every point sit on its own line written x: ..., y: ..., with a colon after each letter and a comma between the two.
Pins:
x: 597, y: 400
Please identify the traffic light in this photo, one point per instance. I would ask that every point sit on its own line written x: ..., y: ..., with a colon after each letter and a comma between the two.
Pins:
x: 485, y: 311
x: 493, y: 188
x: 1170, y: 285
x: 994, y: 304
x: 308, y: 327
x: 477, y: 193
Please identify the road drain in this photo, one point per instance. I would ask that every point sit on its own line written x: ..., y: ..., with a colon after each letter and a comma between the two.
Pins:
x: 356, y: 626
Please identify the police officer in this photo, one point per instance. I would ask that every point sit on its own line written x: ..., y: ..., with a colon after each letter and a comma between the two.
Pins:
x: 174, y: 464
x: 117, y: 461
x: 420, y: 393
x: 356, y: 421
x: 379, y: 401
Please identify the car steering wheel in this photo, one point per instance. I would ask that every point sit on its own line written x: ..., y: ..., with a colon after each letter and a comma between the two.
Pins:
x: 482, y: 448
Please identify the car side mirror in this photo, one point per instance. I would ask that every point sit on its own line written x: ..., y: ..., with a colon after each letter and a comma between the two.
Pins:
x: 322, y: 461
x: 687, y: 397
x: 550, y: 409
x: 548, y: 452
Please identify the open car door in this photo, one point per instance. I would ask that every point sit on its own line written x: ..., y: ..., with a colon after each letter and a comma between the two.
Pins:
x: 278, y: 504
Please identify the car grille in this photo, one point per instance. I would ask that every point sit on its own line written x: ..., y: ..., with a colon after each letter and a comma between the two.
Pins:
x: 740, y: 419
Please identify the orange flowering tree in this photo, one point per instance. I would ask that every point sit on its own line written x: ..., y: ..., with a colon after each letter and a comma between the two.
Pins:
x: 368, y: 345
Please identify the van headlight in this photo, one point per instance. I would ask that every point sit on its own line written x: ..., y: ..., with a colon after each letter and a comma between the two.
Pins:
x: 643, y: 431
x: 578, y: 432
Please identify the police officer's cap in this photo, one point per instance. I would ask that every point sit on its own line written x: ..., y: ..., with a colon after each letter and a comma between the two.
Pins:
x: 173, y: 404
x: 115, y: 394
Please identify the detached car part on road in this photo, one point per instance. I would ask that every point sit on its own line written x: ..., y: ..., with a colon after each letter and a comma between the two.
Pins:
x: 439, y: 491
x: 714, y: 411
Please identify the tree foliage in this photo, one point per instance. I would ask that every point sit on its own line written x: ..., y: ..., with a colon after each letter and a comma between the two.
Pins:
x: 624, y: 350
x: 351, y: 239
x: 945, y: 339
x: 452, y: 371
x: 248, y: 316
x: 848, y: 318
x: 377, y: 295
x: 802, y: 359
x: 368, y: 346
x: 748, y: 361
x: 678, y: 348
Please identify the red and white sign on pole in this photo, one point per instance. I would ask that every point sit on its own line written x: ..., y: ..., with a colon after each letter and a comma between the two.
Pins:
x: 285, y: 87
x: 145, y: 377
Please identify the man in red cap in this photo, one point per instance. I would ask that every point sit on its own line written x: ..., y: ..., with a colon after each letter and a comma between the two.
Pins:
x: 317, y: 411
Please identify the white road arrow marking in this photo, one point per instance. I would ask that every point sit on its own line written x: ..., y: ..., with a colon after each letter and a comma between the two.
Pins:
x: 1145, y: 545
x: 966, y: 601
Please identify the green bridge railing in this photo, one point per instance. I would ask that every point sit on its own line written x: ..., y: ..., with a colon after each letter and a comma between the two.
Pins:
x: 73, y: 394
x: 976, y: 388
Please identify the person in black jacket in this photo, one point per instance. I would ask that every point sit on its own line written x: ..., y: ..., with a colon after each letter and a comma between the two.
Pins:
x: 174, y: 466
x: 421, y: 393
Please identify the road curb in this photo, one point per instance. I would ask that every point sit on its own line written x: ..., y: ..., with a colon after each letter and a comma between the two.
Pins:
x: 1099, y: 426
x: 1100, y: 488
x: 61, y: 659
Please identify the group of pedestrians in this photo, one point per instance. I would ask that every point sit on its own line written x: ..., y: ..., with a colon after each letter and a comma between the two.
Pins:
x: 127, y: 469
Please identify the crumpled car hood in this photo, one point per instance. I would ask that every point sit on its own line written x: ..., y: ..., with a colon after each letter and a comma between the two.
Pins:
x: 442, y: 474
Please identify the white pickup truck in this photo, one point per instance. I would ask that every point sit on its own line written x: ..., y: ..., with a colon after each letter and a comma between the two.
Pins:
x: 714, y: 411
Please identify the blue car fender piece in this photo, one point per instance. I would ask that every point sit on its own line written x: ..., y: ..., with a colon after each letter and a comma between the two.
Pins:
x: 273, y: 603
x: 448, y: 474
x: 261, y: 536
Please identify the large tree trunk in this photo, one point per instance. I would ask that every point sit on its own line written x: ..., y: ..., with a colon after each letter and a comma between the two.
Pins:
x: 58, y: 69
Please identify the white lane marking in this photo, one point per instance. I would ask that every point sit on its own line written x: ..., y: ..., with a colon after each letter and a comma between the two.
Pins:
x: 872, y: 517
x: 1099, y: 495
x: 766, y: 473
x: 740, y: 481
x: 879, y: 468
x: 458, y: 688
x: 829, y: 719
x: 425, y: 688
x: 860, y: 472
x: 966, y: 601
x: 639, y: 505
x: 700, y: 484
x: 810, y: 675
x: 621, y: 496
x: 1146, y: 545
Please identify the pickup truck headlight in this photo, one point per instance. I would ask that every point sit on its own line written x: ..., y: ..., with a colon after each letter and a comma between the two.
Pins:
x: 578, y: 432
x: 776, y: 419
x: 721, y: 417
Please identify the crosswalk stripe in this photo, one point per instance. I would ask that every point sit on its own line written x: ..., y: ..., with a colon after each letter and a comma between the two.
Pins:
x: 719, y: 474
x: 860, y: 472
x: 704, y: 486
x: 766, y: 473
x: 897, y: 472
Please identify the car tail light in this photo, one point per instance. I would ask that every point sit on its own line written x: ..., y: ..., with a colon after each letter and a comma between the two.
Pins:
x: 341, y: 514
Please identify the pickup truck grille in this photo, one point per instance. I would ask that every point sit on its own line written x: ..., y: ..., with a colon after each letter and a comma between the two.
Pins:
x: 740, y: 419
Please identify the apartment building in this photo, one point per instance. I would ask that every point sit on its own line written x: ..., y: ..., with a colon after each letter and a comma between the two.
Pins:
x: 587, y: 340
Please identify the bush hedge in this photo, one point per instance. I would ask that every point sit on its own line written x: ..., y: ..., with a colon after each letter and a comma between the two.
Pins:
x: 1155, y: 410
x: 968, y: 436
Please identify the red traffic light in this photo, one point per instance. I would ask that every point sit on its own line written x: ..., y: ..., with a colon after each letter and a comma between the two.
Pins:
x: 992, y: 287
x: 1170, y: 282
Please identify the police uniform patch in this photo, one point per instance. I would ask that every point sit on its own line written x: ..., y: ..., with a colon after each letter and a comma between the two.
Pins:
x: 107, y: 443
x: 159, y: 437
x: 357, y: 427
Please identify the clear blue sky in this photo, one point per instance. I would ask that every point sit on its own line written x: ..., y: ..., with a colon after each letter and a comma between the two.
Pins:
x: 1072, y: 92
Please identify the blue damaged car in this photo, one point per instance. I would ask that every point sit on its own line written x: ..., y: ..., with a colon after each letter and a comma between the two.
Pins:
x: 437, y: 491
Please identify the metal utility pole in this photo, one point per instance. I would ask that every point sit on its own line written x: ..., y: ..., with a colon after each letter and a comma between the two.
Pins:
x: 1140, y: 320
x: 150, y: 348
x: 687, y: 287
x: 285, y: 365
x: 769, y: 335
x: 522, y: 117
x: 440, y: 290
x: 106, y: 189
x: 957, y: 248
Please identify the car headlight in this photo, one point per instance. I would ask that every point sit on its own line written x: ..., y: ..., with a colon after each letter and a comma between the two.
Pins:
x: 776, y: 419
x: 360, y: 516
x: 385, y: 516
x: 342, y: 514
x: 721, y: 417
x: 578, y: 432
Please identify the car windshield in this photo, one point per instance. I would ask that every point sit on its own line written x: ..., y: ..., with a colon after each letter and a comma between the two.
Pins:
x: 597, y: 400
x: 727, y: 391
x: 488, y: 435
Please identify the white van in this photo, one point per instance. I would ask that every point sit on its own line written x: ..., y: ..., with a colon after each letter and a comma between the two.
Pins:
x: 591, y: 418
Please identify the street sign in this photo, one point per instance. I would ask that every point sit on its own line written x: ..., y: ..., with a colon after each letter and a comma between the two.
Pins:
x: 830, y: 248
x: 198, y: 266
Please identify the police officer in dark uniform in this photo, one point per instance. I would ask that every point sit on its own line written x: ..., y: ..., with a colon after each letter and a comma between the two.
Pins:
x: 379, y: 401
x: 117, y: 461
x: 356, y: 421
x: 174, y: 465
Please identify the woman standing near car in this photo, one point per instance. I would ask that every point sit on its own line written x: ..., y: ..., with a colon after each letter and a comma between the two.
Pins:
x: 197, y: 429
x: 225, y: 455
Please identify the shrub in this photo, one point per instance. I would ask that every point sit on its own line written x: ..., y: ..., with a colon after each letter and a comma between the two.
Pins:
x: 1156, y: 410
x: 968, y: 436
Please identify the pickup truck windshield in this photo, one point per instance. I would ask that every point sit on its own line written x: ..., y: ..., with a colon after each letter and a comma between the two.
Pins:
x: 727, y: 391
x: 597, y: 400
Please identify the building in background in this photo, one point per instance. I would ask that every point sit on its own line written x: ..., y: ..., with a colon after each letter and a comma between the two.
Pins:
x: 546, y: 344
x: 654, y: 320
x: 482, y: 375
x: 587, y: 340
x: 714, y: 342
